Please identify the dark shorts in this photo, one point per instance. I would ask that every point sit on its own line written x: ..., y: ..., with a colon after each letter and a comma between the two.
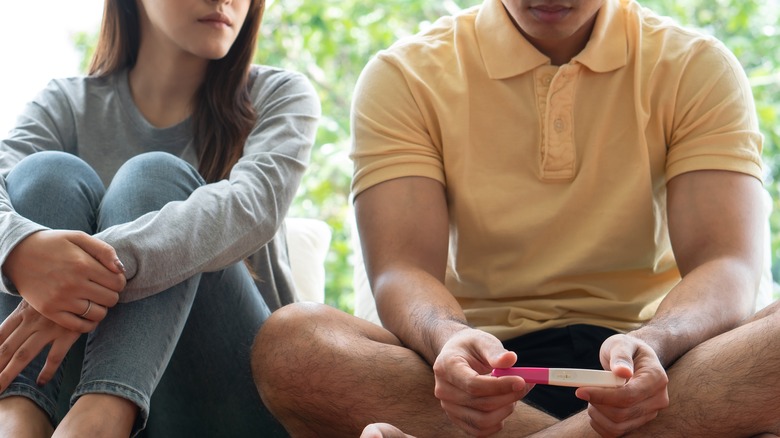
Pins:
x: 575, y: 346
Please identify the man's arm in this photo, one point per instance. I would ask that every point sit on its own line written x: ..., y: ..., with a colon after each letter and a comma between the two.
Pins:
x: 404, y: 232
x: 404, y: 229
x: 716, y: 229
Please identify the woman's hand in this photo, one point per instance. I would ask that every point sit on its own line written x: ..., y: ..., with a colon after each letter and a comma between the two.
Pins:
x: 69, y: 277
x: 23, y: 335
x: 617, y: 411
x: 476, y: 402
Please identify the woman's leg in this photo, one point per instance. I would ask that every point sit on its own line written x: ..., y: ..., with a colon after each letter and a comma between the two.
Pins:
x: 126, y: 355
x: 207, y: 389
x: 60, y: 191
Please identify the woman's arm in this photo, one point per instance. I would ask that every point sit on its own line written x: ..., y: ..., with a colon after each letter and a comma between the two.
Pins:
x: 232, y: 218
x: 46, y: 123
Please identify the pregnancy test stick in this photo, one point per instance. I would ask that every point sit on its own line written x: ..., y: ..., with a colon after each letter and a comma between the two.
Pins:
x: 563, y: 376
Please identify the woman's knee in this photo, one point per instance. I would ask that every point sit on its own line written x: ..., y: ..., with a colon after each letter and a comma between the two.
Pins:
x: 146, y: 183
x: 50, y: 172
x: 153, y: 168
x: 56, y: 189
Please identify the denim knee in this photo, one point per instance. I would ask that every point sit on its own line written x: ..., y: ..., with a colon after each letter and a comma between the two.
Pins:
x: 146, y: 183
x: 56, y: 189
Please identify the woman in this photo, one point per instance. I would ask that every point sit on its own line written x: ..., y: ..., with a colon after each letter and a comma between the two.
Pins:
x: 131, y: 201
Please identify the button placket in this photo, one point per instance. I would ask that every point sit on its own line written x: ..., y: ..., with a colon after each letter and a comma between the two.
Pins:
x: 543, y: 77
x: 558, y: 152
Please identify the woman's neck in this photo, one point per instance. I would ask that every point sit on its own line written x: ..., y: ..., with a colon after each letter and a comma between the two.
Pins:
x: 163, y: 87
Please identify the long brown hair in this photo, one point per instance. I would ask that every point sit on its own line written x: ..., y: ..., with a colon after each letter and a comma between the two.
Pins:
x: 223, y: 114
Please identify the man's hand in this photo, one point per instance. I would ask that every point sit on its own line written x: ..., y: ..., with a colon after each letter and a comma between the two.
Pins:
x: 23, y: 335
x: 476, y: 402
x: 69, y: 277
x: 383, y: 430
x: 617, y: 411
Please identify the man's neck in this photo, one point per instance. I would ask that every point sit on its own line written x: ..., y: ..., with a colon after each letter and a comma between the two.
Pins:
x: 562, y: 51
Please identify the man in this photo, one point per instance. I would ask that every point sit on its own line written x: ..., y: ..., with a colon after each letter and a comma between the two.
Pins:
x: 563, y: 183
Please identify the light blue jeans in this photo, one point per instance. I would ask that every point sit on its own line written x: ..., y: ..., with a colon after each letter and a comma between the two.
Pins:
x: 181, y: 355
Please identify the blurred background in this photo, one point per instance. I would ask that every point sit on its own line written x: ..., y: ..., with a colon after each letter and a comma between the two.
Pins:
x: 330, y: 41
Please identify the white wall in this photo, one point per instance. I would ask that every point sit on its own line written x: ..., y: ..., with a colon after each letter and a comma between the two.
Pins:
x: 36, y: 45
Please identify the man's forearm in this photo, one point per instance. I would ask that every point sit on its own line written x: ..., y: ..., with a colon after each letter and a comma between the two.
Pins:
x: 419, y: 311
x: 710, y: 300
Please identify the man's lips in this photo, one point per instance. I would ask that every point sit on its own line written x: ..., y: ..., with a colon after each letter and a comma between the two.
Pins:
x: 549, y: 13
x: 549, y: 8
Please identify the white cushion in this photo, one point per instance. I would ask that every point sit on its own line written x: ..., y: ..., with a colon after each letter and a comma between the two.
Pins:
x: 365, y: 306
x: 308, y: 241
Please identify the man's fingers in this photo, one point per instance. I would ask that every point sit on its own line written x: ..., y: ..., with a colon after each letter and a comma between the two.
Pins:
x: 383, y: 430
x: 485, y: 403
x: 501, y: 359
x: 617, y: 355
x: 607, y: 427
x: 474, y: 385
x: 476, y: 422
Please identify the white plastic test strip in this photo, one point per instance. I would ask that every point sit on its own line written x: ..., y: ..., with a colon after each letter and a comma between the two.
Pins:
x: 563, y: 376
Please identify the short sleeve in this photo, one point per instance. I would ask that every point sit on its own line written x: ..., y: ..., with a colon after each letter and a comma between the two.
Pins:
x: 715, y: 122
x: 390, y: 134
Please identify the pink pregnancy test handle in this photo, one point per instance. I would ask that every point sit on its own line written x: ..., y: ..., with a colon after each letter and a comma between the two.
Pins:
x: 529, y: 374
x: 563, y: 376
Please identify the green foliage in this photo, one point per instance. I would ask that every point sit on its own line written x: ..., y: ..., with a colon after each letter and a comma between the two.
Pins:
x: 85, y: 43
x: 751, y: 29
x: 331, y: 41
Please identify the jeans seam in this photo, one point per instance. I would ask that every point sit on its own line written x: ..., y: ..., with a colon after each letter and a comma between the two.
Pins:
x: 118, y: 390
x: 32, y: 393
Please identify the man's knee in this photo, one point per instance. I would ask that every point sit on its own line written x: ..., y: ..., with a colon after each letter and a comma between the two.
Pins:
x: 771, y: 311
x: 285, y: 325
x: 283, y: 352
x: 285, y: 339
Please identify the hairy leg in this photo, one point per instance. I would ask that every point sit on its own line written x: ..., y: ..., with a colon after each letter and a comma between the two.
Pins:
x: 727, y: 386
x: 98, y: 416
x: 21, y: 418
x: 324, y: 373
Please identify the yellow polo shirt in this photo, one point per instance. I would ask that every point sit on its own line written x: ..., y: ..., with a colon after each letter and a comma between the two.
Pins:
x: 555, y: 176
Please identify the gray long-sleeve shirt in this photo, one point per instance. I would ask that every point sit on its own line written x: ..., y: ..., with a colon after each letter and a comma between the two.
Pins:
x: 96, y: 119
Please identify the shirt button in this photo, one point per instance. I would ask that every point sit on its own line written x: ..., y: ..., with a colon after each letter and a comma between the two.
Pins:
x: 558, y: 125
x: 547, y: 80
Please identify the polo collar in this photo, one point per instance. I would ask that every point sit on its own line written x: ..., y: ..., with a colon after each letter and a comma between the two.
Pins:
x: 607, y: 49
x: 506, y: 53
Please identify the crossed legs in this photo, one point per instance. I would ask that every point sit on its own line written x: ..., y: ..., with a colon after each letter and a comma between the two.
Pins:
x: 326, y: 373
